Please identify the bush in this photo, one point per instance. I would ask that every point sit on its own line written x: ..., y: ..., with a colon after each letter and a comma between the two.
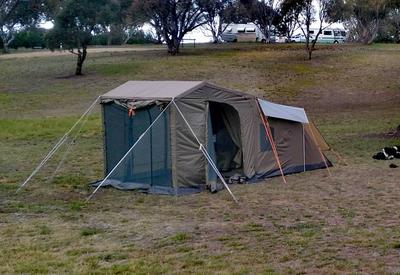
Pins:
x: 140, y: 37
x: 99, y: 39
x: 29, y: 38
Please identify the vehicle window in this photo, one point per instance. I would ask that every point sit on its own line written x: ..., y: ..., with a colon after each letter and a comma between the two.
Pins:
x: 311, y: 32
x: 343, y: 33
x: 250, y: 30
x: 336, y: 33
x: 327, y: 32
x: 240, y: 30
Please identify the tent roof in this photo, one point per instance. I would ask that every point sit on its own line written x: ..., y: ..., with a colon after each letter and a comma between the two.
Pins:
x: 282, y: 111
x: 152, y: 89
x: 167, y: 90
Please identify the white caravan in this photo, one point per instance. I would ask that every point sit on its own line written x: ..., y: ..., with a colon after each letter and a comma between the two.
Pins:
x: 242, y: 33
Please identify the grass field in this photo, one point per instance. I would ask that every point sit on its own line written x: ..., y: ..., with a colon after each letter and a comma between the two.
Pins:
x: 347, y: 223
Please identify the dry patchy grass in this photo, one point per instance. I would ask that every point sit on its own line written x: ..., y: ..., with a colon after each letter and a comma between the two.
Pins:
x: 348, y: 223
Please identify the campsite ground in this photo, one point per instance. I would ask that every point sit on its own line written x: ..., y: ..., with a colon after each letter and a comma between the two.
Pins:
x: 347, y: 223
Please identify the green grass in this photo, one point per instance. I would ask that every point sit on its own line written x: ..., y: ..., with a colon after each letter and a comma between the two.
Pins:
x: 348, y: 223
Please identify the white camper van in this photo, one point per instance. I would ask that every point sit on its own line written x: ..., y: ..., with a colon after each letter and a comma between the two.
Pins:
x: 242, y: 33
x: 327, y: 36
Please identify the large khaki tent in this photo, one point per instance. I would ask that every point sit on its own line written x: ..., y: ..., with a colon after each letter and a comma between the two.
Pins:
x: 177, y: 137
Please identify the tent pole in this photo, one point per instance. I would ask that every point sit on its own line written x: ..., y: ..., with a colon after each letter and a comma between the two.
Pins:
x: 304, y: 149
x: 320, y: 151
x: 57, y: 145
x: 205, y: 153
x: 127, y: 153
x: 271, y: 140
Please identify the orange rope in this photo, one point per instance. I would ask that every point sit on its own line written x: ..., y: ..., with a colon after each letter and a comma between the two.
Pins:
x: 271, y: 140
x: 320, y: 151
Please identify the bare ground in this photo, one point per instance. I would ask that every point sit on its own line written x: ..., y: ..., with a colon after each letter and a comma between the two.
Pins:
x: 47, y: 53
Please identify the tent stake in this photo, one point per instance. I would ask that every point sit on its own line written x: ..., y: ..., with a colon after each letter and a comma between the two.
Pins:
x: 205, y: 153
x: 57, y: 145
x: 271, y: 140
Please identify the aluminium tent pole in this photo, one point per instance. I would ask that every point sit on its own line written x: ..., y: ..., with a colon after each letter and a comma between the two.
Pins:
x: 320, y: 151
x: 127, y: 153
x: 205, y: 153
x: 271, y: 140
x: 57, y: 145
x: 304, y: 149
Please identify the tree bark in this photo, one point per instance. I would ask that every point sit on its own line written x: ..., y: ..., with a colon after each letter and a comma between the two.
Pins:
x: 5, y: 45
x: 80, y: 60
x: 5, y: 48
x: 173, y: 46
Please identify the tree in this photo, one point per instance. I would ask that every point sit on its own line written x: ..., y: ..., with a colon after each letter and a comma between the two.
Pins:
x: 173, y: 19
x: 123, y: 24
x: 75, y: 25
x: 264, y: 16
x: 14, y: 14
x: 216, y: 13
x: 328, y: 12
x: 394, y: 19
x: 364, y: 18
x: 288, y: 18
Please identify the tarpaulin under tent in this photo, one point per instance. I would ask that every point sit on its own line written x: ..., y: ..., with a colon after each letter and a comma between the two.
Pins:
x: 181, y: 137
x: 227, y: 123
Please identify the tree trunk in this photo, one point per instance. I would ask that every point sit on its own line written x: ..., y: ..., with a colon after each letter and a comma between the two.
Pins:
x: 5, y: 45
x: 215, y: 36
x: 308, y: 47
x: 173, y: 46
x: 310, y: 54
x: 81, y: 58
x: 5, y: 48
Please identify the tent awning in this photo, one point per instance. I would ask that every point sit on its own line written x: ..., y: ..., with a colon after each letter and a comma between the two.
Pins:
x: 283, y: 111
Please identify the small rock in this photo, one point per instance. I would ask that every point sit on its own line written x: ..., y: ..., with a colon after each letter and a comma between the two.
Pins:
x: 392, y: 165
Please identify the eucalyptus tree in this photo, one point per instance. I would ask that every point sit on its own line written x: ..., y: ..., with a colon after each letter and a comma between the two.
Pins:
x: 75, y: 24
x: 173, y: 19
x: 217, y: 14
x: 15, y: 14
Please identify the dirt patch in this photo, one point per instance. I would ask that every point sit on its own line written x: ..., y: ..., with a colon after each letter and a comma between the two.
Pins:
x: 395, y: 134
x: 46, y: 53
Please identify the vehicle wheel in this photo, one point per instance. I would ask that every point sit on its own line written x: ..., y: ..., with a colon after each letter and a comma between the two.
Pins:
x: 263, y: 41
x: 234, y: 40
x: 335, y: 42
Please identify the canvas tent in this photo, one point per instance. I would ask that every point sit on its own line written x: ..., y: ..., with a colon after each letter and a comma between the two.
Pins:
x: 153, y: 131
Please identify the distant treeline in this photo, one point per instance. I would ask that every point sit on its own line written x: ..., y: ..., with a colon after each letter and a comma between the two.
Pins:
x: 35, y: 38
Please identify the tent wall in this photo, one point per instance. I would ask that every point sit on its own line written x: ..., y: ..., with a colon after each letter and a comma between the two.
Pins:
x: 149, y: 164
x: 295, y: 153
x: 194, y: 107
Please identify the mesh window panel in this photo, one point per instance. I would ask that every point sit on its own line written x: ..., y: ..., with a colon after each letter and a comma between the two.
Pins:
x: 149, y: 162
